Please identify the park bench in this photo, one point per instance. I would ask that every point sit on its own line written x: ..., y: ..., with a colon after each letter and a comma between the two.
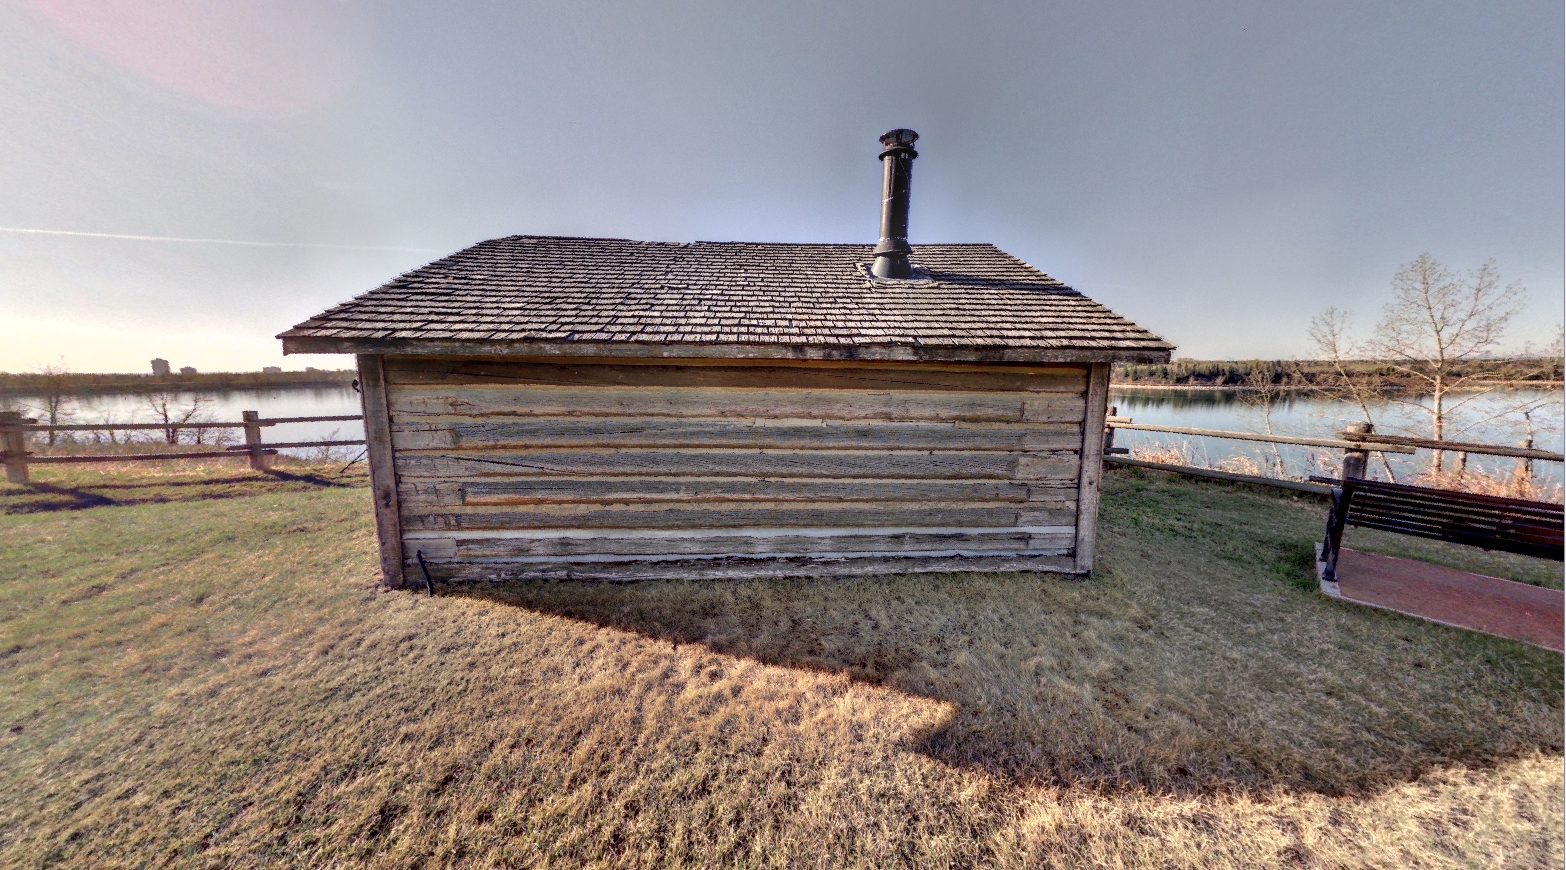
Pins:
x: 1512, y: 525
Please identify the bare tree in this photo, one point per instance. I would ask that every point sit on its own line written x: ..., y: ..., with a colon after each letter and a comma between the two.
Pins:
x: 168, y: 410
x: 1262, y: 396
x: 1329, y: 332
x: 54, y: 395
x: 1438, y: 324
x: 1438, y: 320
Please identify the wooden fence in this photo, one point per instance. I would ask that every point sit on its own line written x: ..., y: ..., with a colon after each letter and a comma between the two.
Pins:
x: 1357, y: 443
x: 14, y: 429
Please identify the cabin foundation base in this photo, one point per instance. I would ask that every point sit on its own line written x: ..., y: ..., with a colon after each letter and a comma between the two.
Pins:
x: 732, y: 568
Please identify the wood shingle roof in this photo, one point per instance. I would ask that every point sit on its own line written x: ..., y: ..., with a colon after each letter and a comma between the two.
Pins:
x: 549, y: 296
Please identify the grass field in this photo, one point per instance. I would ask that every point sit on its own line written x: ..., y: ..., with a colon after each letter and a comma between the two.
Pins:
x: 201, y: 672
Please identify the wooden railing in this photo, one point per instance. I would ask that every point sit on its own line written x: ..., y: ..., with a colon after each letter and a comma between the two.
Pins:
x: 1357, y: 443
x: 14, y: 429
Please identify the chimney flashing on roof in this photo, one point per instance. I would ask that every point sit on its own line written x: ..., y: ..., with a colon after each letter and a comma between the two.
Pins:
x: 917, y: 275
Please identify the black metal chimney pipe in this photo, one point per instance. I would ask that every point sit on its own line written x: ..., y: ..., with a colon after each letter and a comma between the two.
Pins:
x: 897, y: 157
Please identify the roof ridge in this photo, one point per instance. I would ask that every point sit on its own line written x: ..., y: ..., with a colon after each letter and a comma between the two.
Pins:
x: 537, y: 237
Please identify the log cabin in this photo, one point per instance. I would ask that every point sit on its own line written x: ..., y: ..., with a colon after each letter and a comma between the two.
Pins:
x: 606, y: 409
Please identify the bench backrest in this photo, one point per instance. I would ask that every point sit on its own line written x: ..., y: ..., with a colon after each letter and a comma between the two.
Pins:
x: 1532, y: 528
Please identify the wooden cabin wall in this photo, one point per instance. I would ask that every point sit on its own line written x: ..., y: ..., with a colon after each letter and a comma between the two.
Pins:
x: 616, y: 471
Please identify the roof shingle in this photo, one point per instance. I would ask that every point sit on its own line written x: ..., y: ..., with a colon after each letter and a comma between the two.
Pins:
x: 570, y: 296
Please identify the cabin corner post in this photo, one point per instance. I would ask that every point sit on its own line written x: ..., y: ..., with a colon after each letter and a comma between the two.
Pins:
x: 1092, y: 468
x: 383, y: 472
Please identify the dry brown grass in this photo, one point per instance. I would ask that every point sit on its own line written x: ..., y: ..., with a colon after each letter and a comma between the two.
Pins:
x: 1512, y: 485
x: 216, y: 683
x: 1177, y: 453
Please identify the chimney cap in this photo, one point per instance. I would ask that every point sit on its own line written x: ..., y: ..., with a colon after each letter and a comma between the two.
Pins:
x: 899, y: 140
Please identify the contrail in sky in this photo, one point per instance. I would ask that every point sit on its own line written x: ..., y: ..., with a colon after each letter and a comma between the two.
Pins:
x: 212, y: 241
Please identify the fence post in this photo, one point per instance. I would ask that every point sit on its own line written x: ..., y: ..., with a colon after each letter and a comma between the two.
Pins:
x: 1523, y: 476
x: 1354, y: 460
x: 14, y: 442
x: 253, y: 439
x: 1109, y: 433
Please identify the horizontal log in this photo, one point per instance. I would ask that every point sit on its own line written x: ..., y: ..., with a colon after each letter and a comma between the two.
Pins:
x: 1214, y: 474
x: 244, y: 448
x: 455, y: 372
x: 119, y: 427
x: 1457, y: 446
x: 738, y: 463
x: 811, y: 434
x: 740, y: 568
x: 616, y: 490
x: 734, y: 542
x: 724, y: 515
x: 275, y: 421
x: 1378, y: 447
x: 411, y: 403
x: 138, y: 457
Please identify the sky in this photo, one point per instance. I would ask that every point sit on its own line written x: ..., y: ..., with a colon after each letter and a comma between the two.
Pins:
x: 186, y: 179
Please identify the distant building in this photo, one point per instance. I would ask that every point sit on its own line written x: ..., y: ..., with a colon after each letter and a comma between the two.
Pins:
x: 271, y: 370
x: 311, y: 369
x: 160, y: 368
x: 187, y: 370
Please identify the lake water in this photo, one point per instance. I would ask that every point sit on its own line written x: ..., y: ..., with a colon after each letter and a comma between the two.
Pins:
x: 226, y: 405
x: 1198, y: 409
x: 1485, y: 419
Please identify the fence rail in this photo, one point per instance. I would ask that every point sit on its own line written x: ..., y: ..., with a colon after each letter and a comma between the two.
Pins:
x: 1215, y: 474
x: 109, y: 427
x: 1380, y: 445
x: 14, y: 429
x: 1461, y: 447
x: 1357, y: 444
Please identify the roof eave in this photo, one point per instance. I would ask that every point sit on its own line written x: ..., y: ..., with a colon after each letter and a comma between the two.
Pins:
x: 1151, y: 353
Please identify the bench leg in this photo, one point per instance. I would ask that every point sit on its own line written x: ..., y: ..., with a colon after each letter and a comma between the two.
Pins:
x: 1333, y: 542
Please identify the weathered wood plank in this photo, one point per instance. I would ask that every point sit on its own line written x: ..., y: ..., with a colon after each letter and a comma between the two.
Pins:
x: 410, y: 403
x: 383, y: 473
x: 743, y: 463
x: 452, y: 372
x: 723, y: 515
x: 1092, y: 466
x: 1045, y: 466
x: 732, y: 568
x: 574, y: 490
x: 574, y: 469
x: 776, y: 541
x: 773, y: 434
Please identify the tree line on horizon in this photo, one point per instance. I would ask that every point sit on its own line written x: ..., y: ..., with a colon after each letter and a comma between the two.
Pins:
x: 56, y: 379
x: 1310, y: 373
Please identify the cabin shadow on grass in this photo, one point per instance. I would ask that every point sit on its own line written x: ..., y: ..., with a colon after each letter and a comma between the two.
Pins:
x: 1197, y: 660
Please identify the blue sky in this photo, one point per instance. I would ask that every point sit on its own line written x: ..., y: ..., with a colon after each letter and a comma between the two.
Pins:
x: 1218, y: 171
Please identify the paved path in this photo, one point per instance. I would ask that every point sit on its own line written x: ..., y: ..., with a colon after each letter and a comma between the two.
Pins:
x: 1435, y: 592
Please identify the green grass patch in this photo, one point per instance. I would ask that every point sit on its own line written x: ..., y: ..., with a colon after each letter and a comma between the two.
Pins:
x: 215, y: 681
